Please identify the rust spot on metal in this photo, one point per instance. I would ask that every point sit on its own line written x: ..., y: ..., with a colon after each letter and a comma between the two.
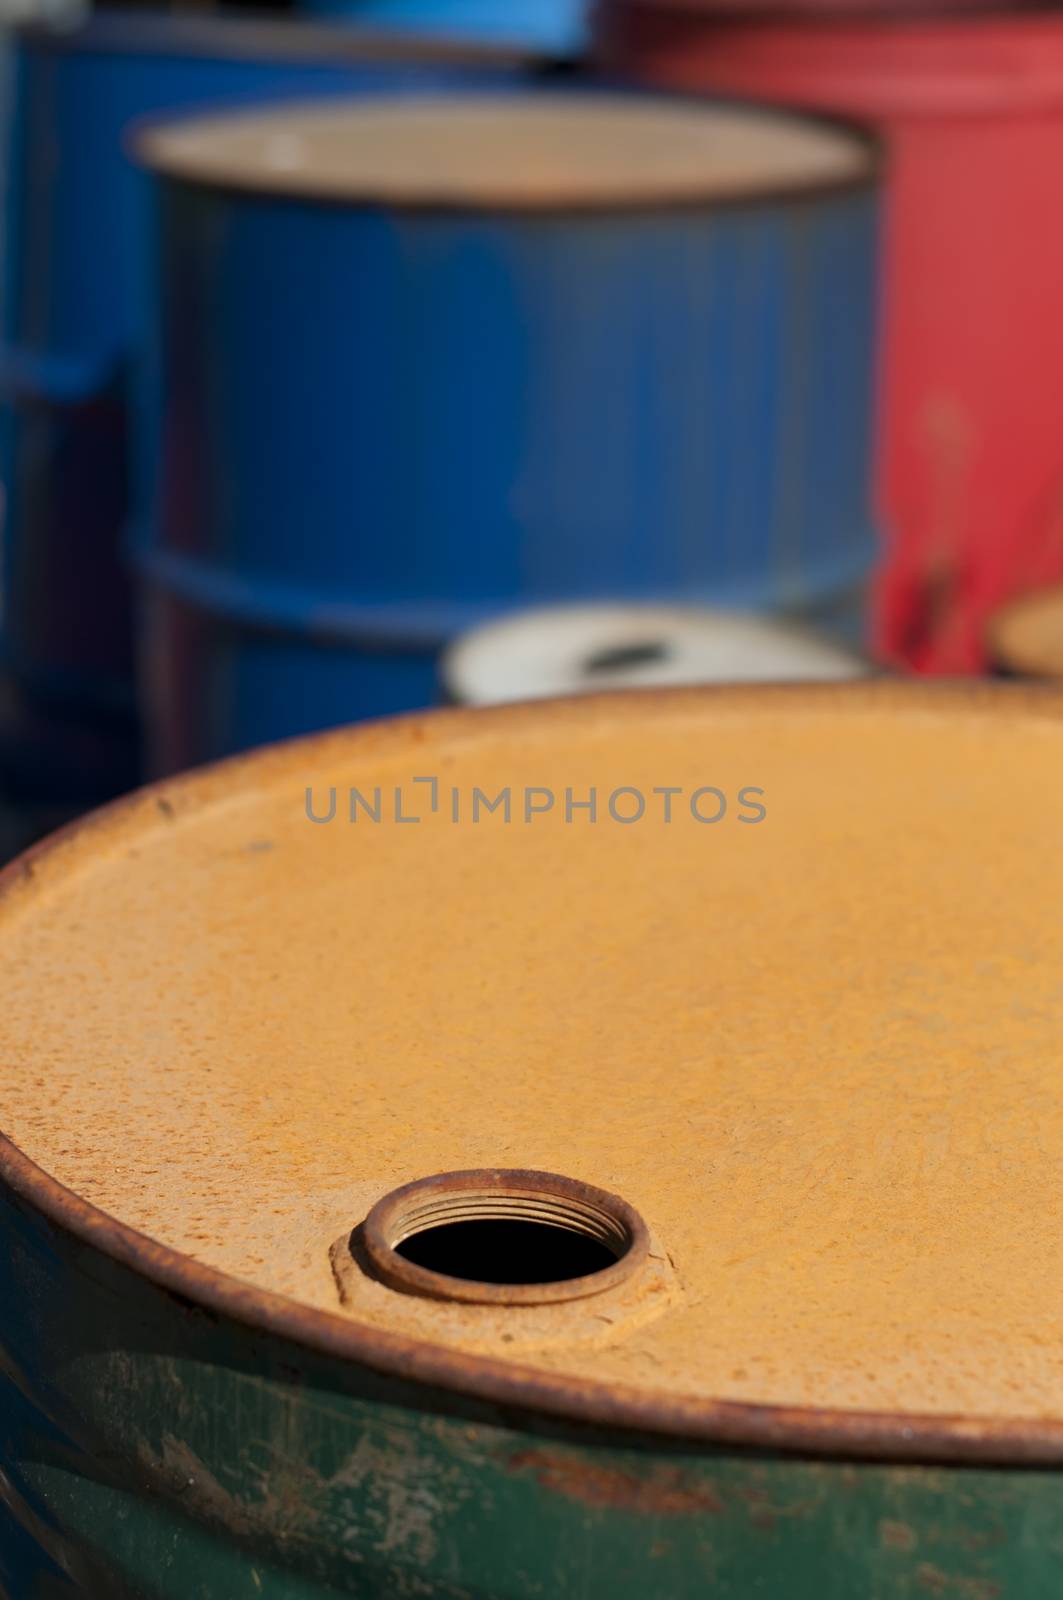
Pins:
x: 662, y: 1493
x: 955, y: 1585
x: 765, y: 1513
x: 285, y: 1507
x: 761, y: 1512
x: 985, y: 1538
x: 896, y: 1535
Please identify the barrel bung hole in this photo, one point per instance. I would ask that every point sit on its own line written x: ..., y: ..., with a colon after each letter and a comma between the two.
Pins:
x: 503, y: 1237
x: 621, y: 657
x: 506, y: 1250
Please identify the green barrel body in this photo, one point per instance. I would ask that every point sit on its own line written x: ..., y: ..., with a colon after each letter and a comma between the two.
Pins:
x: 153, y: 1449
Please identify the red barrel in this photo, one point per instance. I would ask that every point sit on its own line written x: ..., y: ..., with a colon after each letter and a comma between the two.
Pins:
x: 970, y: 469
x: 820, y: 10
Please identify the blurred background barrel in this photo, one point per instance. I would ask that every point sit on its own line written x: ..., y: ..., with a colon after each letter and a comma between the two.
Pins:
x: 1025, y: 637
x: 415, y: 369
x: 73, y: 298
x: 582, y: 649
x: 971, y: 451
x: 541, y: 24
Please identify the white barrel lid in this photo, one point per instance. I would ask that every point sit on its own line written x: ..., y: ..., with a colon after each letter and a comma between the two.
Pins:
x: 579, y: 649
x: 523, y: 150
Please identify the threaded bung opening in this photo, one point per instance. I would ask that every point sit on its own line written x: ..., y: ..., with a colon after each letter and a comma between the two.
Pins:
x: 503, y: 1238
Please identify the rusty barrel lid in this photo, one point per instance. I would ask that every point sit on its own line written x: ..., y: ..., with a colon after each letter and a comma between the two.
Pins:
x: 525, y: 150
x: 576, y: 649
x: 745, y: 1002
x: 1025, y: 637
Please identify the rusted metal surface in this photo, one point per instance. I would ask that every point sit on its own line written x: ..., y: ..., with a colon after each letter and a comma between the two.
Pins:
x: 141, y: 1423
x: 884, y: 1436
x: 281, y: 1451
x: 662, y: 1494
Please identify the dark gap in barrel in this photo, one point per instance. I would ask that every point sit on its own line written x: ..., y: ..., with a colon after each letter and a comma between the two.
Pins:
x: 506, y: 1250
x: 627, y: 655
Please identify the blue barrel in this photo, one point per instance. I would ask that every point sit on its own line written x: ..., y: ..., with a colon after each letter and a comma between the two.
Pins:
x: 555, y: 25
x: 74, y: 228
x: 413, y: 370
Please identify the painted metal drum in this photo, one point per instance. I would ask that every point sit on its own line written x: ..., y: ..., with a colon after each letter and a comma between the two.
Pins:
x: 72, y: 308
x: 1025, y: 638
x: 813, y: 13
x: 971, y: 460
x: 417, y: 367
x: 580, y: 649
x: 499, y: 1153
x: 554, y: 25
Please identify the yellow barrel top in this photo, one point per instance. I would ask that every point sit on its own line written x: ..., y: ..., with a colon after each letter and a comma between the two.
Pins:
x: 1027, y: 635
x: 522, y: 150
x: 817, y: 1050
